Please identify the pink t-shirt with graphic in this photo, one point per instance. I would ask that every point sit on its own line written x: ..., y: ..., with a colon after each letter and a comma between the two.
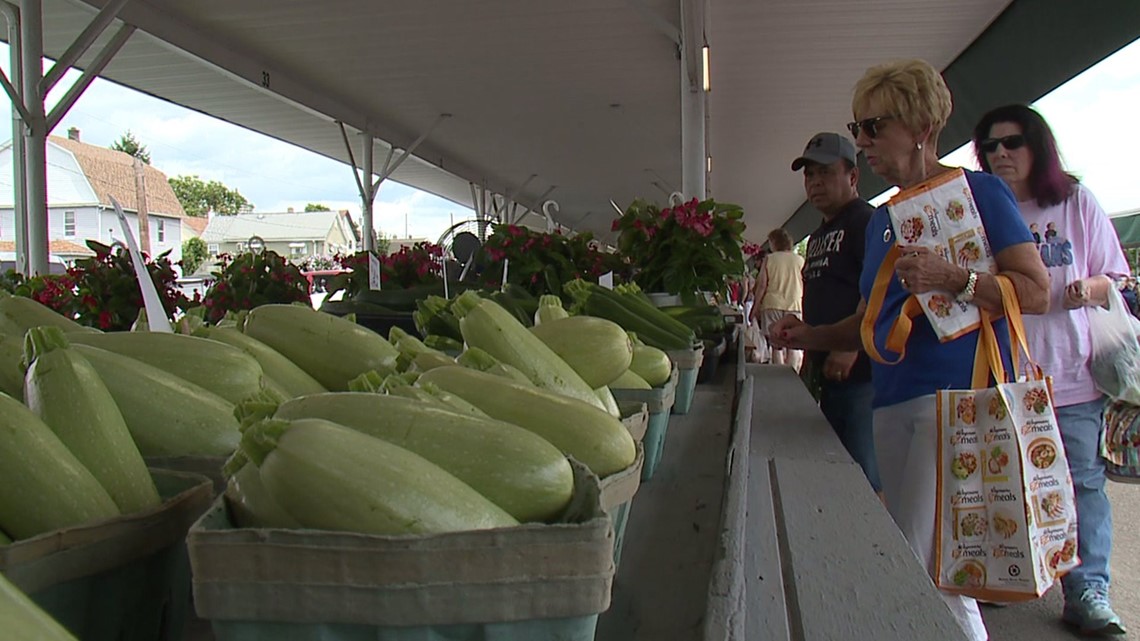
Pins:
x: 1076, y: 240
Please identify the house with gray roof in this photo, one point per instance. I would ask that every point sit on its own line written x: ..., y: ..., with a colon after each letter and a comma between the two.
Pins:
x: 293, y: 235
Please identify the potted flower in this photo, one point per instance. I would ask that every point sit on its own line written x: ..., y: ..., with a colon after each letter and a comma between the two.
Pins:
x: 103, y: 291
x: 690, y: 248
x: 248, y: 280
x: 541, y: 262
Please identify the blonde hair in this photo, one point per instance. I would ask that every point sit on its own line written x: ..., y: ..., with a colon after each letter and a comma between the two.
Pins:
x: 911, y: 90
x: 780, y: 240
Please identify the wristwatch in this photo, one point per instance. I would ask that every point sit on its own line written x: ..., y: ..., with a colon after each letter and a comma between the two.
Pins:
x: 967, y: 294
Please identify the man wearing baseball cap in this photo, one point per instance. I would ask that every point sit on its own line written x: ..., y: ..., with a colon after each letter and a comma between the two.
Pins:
x: 831, y: 291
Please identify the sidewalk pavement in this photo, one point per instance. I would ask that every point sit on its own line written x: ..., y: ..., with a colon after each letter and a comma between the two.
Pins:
x: 1041, y: 620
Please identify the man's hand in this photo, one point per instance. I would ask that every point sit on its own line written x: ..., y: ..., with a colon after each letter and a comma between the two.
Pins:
x: 789, y: 333
x: 837, y: 366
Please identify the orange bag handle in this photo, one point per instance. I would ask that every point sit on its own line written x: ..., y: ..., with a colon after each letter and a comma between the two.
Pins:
x: 901, y: 328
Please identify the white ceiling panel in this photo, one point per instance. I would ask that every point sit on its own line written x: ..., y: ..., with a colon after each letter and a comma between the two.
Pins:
x: 585, y: 96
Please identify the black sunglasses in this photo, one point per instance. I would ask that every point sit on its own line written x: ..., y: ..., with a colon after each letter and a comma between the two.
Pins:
x: 870, y: 125
x: 990, y: 145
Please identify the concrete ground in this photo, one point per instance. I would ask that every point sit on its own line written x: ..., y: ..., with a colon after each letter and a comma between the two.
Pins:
x: 1040, y: 620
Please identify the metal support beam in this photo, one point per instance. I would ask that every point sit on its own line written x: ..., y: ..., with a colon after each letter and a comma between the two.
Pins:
x: 13, y: 94
x: 368, y: 195
x: 35, y: 133
x: 82, y: 43
x: 530, y: 208
x: 89, y: 74
x: 389, y: 168
x: 693, y: 100
x: 19, y: 115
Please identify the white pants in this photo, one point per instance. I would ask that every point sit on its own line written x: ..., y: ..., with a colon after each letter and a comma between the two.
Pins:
x: 906, y: 445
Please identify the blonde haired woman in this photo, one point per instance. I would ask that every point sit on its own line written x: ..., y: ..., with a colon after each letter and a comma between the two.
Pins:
x: 779, y: 291
x: 900, y: 108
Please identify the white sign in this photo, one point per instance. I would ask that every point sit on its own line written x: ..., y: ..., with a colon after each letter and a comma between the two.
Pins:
x: 155, y: 313
x: 373, y: 271
x: 606, y: 280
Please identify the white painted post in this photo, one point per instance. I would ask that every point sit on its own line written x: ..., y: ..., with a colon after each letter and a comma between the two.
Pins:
x: 35, y: 132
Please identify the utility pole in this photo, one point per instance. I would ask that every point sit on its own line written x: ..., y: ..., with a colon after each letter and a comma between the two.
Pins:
x: 140, y: 197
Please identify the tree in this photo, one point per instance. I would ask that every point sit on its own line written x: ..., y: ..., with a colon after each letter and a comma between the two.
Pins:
x: 194, y: 253
x: 128, y: 144
x: 316, y: 207
x: 198, y: 196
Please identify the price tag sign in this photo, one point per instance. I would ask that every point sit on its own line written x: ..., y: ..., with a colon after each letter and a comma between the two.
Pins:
x: 606, y: 280
x: 373, y: 271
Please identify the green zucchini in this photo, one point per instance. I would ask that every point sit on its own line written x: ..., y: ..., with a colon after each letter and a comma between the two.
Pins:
x: 651, y: 364
x: 476, y: 358
x: 43, y: 487
x: 488, y: 326
x: 330, y: 477
x: 65, y: 391
x: 212, y: 365
x: 251, y: 504
x: 330, y: 349
x: 518, y: 470
x: 26, y: 313
x: 609, y: 401
x: 11, y: 370
x: 167, y: 415
x: 279, y: 372
x: 24, y: 620
x: 630, y: 380
x: 595, y: 300
x: 581, y: 430
x: 549, y: 309
x: 597, y: 349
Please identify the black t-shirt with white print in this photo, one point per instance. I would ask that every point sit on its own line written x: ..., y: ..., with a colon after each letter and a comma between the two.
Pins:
x: 832, y: 267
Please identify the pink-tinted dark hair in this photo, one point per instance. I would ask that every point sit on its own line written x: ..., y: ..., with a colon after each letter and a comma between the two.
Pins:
x: 1049, y: 183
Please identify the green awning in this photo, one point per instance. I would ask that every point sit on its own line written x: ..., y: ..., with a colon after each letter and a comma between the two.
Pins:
x: 1128, y: 230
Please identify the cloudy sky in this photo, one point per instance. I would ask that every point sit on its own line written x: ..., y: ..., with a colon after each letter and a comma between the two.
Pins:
x: 1094, y: 117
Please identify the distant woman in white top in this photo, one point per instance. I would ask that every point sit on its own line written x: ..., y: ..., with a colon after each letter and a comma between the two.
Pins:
x: 779, y: 291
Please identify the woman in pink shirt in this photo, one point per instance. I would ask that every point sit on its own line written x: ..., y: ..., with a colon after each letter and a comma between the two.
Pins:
x: 1082, y: 253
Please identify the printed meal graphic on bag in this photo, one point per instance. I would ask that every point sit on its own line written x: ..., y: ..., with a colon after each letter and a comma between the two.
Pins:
x: 1036, y: 400
x: 996, y: 407
x: 955, y: 211
x: 1004, y: 526
x: 966, y: 410
x: 971, y: 523
x: 941, y: 215
x: 996, y: 460
x: 966, y: 248
x: 1059, y: 558
x: 1050, y: 508
x: 911, y: 229
x: 941, y: 305
x: 1042, y: 453
x: 969, y: 574
x: 964, y: 465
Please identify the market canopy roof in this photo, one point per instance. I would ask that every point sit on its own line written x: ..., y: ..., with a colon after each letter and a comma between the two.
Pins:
x: 581, y: 100
x: 1127, y: 226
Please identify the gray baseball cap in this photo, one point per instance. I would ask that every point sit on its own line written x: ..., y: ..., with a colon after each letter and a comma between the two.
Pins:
x: 826, y: 148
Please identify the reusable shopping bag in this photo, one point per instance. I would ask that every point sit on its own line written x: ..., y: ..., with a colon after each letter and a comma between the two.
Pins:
x: 1006, y: 523
x: 1120, y: 442
x: 941, y: 214
x: 1115, y: 351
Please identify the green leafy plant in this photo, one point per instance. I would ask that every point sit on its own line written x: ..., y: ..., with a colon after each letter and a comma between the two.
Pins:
x: 412, y: 266
x: 248, y: 280
x: 543, y: 262
x: 689, y: 248
x: 102, y: 291
x: 194, y: 253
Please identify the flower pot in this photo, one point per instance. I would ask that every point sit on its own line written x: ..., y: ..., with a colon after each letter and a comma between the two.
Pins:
x: 664, y: 299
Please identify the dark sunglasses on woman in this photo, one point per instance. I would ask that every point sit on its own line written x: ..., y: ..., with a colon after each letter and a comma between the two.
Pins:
x: 869, y: 125
x: 990, y: 145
